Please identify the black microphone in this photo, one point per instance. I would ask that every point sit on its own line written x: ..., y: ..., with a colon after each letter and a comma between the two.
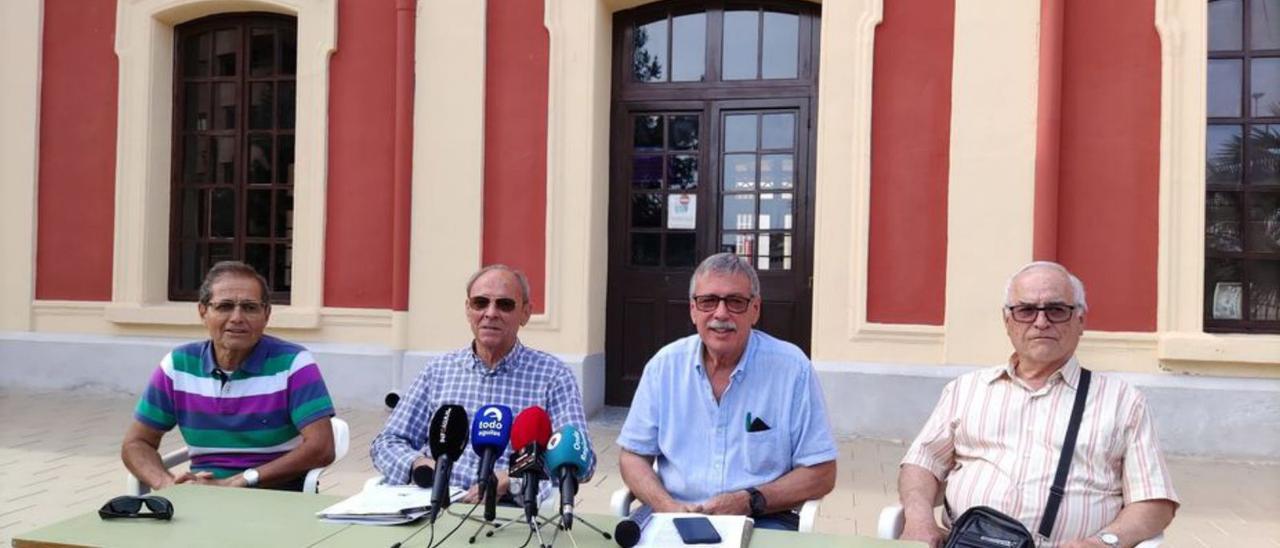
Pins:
x: 447, y: 437
x: 423, y: 476
x: 627, y: 532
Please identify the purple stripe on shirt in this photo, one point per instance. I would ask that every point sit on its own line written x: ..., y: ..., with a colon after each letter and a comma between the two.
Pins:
x: 307, y: 375
x: 265, y: 403
x: 234, y: 460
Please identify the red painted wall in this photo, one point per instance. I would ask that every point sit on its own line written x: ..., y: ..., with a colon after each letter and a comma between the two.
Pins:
x: 77, y: 151
x: 515, y: 140
x: 910, y: 143
x: 1109, y: 184
x: 358, y: 231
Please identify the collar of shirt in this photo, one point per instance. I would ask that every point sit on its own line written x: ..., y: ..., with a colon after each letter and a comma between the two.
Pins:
x: 1069, y: 373
x: 505, y: 365
x: 252, y: 364
x: 739, y: 369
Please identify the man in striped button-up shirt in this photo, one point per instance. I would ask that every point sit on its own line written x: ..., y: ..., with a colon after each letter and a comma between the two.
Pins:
x: 996, y: 434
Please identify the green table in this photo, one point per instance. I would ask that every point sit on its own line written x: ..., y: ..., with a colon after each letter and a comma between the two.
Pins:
x: 241, y: 518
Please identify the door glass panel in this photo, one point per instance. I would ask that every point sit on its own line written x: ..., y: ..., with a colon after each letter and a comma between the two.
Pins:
x: 284, y: 214
x: 776, y: 172
x: 262, y: 53
x: 648, y: 133
x: 1222, y: 157
x: 1224, y: 79
x: 1222, y: 221
x: 1225, y: 24
x: 228, y: 111
x: 646, y: 172
x: 775, y: 211
x: 224, y: 149
x: 684, y: 172
x: 259, y: 158
x: 218, y: 253
x: 743, y: 245
x: 257, y: 217
x: 646, y: 210
x: 1264, y: 291
x: 288, y: 51
x: 684, y: 133
x: 287, y: 104
x: 774, y: 251
x: 1264, y: 17
x: 650, y: 59
x: 688, y: 47
x: 193, y: 213
x: 1224, y: 290
x: 779, y: 131
x: 258, y: 256
x: 261, y: 105
x: 645, y: 249
x: 741, y: 44
x: 739, y: 172
x: 739, y: 132
x: 195, y: 62
x: 781, y: 45
x: 739, y: 211
x: 223, y: 213
x: 226, y: 44
x: 284, y: 159
x: 1264, y: 222
x: 284, y: 268
x: 196, y: 114
x: 1265, y: 83
x: 1264, y: 155
x: 681, y: 249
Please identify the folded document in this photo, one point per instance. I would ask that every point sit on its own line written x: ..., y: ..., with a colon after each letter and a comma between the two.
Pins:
x: 384, y: 505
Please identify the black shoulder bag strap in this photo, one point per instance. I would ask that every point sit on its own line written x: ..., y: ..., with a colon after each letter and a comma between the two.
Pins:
x: 1064, y: 462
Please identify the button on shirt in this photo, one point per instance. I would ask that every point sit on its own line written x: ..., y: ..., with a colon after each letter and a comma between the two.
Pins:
x: 770, y: 419
x: 996, y: 442
x: 524, y: 378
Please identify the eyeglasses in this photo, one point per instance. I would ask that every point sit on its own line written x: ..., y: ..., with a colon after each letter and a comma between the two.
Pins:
x: 130, y: 507
x: 482, y: 303
x: 708, y: 303
x: 1026, y: 313
x: 249, y: 308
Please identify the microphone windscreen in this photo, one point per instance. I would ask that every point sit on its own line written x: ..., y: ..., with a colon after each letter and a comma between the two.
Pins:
x: 628, y: 531
x: 447, y: 435
x: 491, y: 428
x: 531, y: 426
x: 570, y: 448
x: 424, y: 476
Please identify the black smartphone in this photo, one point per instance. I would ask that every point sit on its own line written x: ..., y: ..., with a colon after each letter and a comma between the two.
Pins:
x: 696, y: 530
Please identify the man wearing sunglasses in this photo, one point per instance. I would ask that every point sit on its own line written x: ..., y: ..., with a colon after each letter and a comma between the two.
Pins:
x: 996, y: 434
x: 496, y: 368
x: 734, y: 418
x: 253, y: 409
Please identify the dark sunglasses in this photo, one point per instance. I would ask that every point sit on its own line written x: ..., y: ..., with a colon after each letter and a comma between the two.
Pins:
x: 482, y: 303
x: 130, y: 507
x: 1026, y: 313
x: 249, y: 308
x: 708, y: 303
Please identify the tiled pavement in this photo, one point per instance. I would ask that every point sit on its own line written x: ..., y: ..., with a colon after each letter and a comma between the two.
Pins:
x: 59, y: 456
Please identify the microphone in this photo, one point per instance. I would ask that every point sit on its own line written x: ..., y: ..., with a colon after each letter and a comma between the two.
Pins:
x: 447, y: 437
x: 569, y: 458
x: 627, y: 532
x: 529, y: 437
x: 490, y: 431
x: 423, y: 476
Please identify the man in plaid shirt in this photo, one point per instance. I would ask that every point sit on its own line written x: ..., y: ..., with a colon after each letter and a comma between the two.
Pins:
x: 494, y: 369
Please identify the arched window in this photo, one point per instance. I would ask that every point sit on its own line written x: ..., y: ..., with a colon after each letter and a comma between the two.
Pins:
x: 1242, y: 174
x: 233, y: 146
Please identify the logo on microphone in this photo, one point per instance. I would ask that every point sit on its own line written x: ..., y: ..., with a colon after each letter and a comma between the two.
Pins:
x: 495, y: 418
x: 554, y: 441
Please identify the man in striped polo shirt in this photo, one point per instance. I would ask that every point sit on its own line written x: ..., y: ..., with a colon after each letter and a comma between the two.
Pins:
x: 997, y: 433
x: 253, y: 409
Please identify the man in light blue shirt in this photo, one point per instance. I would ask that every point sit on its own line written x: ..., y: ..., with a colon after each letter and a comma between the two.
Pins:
x: 734, y: 417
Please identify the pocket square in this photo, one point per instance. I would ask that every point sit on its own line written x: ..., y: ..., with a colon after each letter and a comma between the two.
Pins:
x: 757, y: 425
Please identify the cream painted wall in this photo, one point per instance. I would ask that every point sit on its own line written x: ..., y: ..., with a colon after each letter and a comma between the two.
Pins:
x: 21, y: 25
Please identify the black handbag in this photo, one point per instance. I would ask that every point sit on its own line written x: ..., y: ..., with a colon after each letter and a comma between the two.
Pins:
x: 985, y: 527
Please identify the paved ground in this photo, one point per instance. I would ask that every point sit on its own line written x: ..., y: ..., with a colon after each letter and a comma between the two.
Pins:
x: 59, y: 456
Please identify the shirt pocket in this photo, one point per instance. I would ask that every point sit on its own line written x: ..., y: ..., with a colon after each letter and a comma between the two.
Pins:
x: 766, y: 452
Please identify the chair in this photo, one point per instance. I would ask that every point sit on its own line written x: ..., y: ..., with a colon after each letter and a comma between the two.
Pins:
x: 620, y: 504
x: 311, y: 484
x: 892, y: 520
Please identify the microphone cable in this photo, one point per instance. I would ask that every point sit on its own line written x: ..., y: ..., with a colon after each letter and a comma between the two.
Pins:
x: 455, y: 527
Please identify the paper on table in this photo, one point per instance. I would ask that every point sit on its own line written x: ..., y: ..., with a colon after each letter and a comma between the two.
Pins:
x: 384, y: 505
x: 735, y: 531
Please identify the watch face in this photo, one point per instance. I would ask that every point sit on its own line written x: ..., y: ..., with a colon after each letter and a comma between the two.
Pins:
x: 1110, y: 539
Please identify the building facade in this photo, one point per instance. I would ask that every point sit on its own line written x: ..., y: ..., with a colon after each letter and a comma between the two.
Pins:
x: 885, y: 164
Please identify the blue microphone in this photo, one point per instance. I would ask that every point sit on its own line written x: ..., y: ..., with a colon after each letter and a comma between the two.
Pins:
x: 490, y: 431
x: 569, y: 458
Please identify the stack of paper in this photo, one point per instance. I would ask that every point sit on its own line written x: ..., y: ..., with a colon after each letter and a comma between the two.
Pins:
x: 384, y: 505
x: 735, y: 531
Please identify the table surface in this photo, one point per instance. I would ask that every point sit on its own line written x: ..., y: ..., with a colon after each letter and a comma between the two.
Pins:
x: 220, y: 516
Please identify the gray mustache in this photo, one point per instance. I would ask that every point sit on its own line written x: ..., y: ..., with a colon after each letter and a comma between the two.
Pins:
x: 722, y: 324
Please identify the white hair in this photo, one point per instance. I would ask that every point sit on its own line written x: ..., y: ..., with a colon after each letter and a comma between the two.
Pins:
x: 1077, y: 286
x: 726, y: 264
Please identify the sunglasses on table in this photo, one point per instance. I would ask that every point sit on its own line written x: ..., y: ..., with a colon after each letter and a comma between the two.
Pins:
x: 1026, y: 313
x: 735, y: 303
x: 482, y: 303
x: 131, y: 507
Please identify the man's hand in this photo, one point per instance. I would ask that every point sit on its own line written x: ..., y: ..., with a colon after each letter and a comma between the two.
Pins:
x: 473, y: 494
x: 921, y: 531
x: 733, y: 503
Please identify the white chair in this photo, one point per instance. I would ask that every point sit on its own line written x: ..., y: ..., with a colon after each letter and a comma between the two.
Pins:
x: 311, y: 484
x: 892, y: 520
x: 620, y: 504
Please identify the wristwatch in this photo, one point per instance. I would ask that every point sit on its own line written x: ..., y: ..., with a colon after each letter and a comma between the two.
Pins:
x: 758, y: 503
x: 1110, y: 539
x: 250, y: 477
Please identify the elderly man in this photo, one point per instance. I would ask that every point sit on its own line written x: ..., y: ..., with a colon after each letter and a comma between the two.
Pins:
x: 494, y: 369
x: 252, y: 408
x: 735, y: 418
x: 996, y: 435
